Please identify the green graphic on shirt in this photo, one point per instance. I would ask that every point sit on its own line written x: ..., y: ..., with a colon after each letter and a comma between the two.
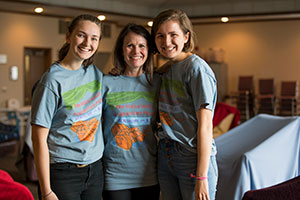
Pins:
x: 118, y: 98
x: 75, y: 95
x: 173, y: 85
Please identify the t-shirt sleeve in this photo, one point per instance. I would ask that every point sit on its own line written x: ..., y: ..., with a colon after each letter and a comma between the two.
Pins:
x: 202, y: 85
x: 44, y: 106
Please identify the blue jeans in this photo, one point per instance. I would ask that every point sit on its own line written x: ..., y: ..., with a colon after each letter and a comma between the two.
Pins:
x: 175, y: 164
x: 70, y: 182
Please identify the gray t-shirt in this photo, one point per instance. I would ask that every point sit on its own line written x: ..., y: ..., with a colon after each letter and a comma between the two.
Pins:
x: 186, y: 86
x: 69, y: 103
x: 129, y: 119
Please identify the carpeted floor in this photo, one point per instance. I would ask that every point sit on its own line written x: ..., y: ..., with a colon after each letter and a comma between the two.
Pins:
x: 7, y: 163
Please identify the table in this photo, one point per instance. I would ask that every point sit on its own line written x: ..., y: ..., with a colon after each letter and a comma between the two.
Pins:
x: 259, y: 153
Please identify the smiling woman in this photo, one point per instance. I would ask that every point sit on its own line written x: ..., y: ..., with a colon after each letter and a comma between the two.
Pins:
x: 83, y: 41
x: 81, y: 44
x: 135, y: 50
x: 66, y: 118
x: 129, y: 119
x: 187, y: 165
x: 170, y: 40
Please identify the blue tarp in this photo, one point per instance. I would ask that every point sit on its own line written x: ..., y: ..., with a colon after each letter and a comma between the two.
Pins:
x: 259, y: 153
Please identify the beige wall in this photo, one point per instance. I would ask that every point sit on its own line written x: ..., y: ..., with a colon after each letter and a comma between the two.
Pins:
x: 269, y: 49
x: 19, y: 31
x: 261, y: 49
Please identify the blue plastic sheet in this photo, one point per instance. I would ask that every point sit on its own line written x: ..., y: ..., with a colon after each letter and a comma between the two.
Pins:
x: 259, y: 153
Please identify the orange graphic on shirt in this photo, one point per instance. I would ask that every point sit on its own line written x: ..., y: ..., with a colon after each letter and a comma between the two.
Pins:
x: 86, y: 130
x: 165, y: 118
x: 125, y: 136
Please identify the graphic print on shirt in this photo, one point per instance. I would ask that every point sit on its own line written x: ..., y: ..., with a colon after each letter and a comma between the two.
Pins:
x: 130, y: 117
x: 86, y: 130
x: 170, y: 90
x: 126, y: 136
x: 86, y: 102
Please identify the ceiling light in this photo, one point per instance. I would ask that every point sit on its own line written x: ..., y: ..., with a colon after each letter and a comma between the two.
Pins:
x: 101, y: 17
x: 224, y: 19
x: 150, y: 23
x: 39, y: 10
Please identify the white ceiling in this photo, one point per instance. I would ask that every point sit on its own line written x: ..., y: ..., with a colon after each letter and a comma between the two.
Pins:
x: 139, y: 11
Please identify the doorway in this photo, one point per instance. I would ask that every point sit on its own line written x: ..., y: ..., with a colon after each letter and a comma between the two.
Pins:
x: 36, y: 62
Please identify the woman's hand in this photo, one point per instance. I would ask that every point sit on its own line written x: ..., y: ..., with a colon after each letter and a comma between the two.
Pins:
x: 201, y: 190
x: 164, y: 68
x: 50, y: 196
x: 115, y: 72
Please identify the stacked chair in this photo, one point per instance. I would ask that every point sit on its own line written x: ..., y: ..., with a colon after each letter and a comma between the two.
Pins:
x: 266, y: 101
x: 288, y: 99
x: 246, y: 97
x: 266, y: 98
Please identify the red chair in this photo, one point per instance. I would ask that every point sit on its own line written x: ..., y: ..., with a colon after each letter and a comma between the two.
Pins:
x: 11, y: 190
x: 225, y: 118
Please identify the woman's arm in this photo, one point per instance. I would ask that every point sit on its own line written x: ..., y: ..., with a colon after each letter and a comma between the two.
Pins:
x: 204, y: 145
x: 41, y: 159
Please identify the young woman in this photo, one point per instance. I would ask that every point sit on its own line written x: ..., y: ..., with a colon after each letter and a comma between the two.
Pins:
x: 66, y: 118
x: 129, y: 119
x: 187, y: 166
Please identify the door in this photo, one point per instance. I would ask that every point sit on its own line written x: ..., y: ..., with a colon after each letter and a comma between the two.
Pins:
x: 36, y: 62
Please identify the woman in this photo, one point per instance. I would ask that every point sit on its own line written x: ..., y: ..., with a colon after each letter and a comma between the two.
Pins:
x: 66, y: 124
x: 129, y: 116
x: 187, y: 167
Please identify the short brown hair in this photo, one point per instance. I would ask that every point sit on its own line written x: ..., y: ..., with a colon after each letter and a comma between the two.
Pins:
x: 183, y: 21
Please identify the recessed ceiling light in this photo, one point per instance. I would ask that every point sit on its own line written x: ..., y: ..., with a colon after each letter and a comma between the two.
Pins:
x: 224, y: 19
x: 150, y: 23
x: 101, y: 17
x: 39, y: 10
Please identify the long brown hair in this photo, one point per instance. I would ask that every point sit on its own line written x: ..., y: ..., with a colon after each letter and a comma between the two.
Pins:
x: 65, y: 48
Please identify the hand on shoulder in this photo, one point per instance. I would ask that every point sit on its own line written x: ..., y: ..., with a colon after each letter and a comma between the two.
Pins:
x: 164, y: 68
x: 115, y: 71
